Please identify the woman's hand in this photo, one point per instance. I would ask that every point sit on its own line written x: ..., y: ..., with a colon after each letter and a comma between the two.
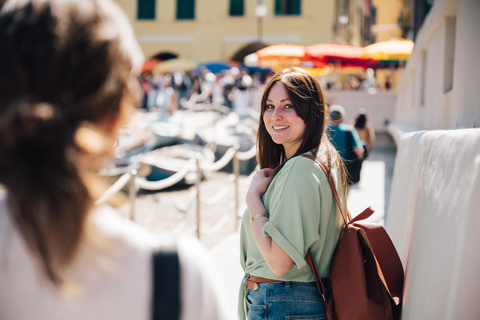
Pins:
x: 259, y: 185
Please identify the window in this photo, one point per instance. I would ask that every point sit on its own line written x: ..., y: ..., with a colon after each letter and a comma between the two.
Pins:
x: 287, y: 7
x: 373, y: 14
x: 185, y: 9
x: 423, y: 79
x: 146, y: 10
x: 450, y: 24
x: 236, y: 7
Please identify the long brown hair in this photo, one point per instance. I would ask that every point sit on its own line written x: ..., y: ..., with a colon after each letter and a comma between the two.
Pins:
x: 306, y: 95
x: 64, y: 65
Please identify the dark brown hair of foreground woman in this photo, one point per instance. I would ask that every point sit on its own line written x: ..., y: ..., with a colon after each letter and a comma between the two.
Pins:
x: 306, y: 95
x: 66, y: 82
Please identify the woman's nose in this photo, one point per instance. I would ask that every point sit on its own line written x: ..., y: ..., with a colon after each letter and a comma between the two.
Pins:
x: 277, y: 114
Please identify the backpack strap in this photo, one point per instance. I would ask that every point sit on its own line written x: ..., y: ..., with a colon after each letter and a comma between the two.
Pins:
x: 332, y: 185
x: 318, y: 280
x: 309, y: 257
x: 166, y: 282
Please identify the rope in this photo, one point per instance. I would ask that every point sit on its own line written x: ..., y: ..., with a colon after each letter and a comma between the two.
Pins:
x: 168, y: 182
x: 222, y: 162
x: 117, y: 171
x: 247, y: 155
x: 185, y: 212
x: 116, y: 187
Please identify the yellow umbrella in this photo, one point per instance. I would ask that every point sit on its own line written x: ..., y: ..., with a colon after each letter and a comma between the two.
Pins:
x: 389, y: 50
x: 178, y: 64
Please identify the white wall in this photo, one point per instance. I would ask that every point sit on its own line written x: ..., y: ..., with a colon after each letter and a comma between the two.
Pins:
x: 434, y: 209
x: 449, y: 35
x: 466, y: 81
x: 379, y: 106
x: 433, y: 220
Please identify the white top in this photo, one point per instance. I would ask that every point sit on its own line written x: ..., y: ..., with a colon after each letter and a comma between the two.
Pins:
x: 109, y: 279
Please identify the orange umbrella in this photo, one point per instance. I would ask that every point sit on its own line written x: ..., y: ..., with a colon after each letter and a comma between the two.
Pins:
x: 149, y: 65
x: 281, y: 52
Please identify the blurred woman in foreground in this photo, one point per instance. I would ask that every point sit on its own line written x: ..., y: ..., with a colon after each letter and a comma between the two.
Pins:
x: 67, y: 83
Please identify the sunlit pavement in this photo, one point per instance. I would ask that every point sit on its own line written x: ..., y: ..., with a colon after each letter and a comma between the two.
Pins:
x: 373, y: 190
x: 374, y: 186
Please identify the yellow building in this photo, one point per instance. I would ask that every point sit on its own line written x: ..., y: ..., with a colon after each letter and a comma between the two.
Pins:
x: 386, y: 16
x: 206, y: 30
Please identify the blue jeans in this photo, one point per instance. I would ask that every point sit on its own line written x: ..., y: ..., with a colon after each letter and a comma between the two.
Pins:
x: 286, y: 300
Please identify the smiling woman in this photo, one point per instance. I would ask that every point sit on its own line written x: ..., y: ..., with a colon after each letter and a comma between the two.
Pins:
x: 281, y: 120
x: 290, y: 208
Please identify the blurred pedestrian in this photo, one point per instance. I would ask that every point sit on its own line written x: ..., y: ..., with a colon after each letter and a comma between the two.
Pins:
x: 364, y: 129
x: 242, y: 102
x: 290, y: 207
x: 181, y: 83
x: 68, y: 81
x: 345, y: 139
x: 167, y: 97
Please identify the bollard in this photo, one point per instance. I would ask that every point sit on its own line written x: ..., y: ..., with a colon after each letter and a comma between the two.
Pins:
x: 236, y: 172
x: 197, y: 186
x: 132, y: 191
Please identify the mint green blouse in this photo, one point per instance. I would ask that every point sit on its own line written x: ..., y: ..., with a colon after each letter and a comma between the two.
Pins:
x: 303, y: 215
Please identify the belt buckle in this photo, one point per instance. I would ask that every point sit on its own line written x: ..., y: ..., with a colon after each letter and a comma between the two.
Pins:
x: 255, y: 286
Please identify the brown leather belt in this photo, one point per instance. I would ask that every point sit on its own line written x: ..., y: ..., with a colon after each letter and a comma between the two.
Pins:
x: 252, y: 282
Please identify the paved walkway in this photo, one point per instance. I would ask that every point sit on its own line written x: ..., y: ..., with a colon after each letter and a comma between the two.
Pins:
x: 160, y: 211
x: 373, y: 189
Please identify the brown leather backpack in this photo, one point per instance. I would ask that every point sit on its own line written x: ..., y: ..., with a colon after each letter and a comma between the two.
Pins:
x: 366, y: 272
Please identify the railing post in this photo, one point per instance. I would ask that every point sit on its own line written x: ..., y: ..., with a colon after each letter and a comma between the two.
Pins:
x: 197, y: 186
x: 236, y: 172
x: 132, y: 192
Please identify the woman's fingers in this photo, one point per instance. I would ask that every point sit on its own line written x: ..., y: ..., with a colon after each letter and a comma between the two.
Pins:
x: 267, y: 172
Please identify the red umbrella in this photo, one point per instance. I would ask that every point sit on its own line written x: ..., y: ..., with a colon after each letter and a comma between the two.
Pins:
x: 332, y: 52
x: 150, y: 64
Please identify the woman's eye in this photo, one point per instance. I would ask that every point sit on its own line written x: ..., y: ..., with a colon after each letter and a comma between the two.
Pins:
x: 270, y: 106
x: 288, y: 106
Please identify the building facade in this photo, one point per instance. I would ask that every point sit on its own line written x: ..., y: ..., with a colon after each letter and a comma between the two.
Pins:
x: 387, y: 19
x: 207, y: 30
x: 440, y: 87
x: 353, y: 21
